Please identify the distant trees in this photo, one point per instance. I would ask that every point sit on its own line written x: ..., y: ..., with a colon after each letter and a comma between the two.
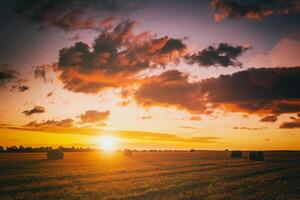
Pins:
x: 22, y: 149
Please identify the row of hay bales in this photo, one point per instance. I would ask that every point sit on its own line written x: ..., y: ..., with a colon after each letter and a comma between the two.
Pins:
x: 253, y: 155
x: 57, y: 154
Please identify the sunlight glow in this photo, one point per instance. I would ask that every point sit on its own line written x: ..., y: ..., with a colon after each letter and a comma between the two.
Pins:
x: 108, y: 143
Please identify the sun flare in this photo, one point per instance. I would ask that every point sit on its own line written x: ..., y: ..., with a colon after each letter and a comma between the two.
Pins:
x: 108, y: 143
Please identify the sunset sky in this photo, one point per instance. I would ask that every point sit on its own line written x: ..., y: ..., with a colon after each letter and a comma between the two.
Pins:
x: 211, y: 74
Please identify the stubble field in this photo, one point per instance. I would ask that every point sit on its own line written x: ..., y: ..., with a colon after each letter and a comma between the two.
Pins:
x: 150, y: 175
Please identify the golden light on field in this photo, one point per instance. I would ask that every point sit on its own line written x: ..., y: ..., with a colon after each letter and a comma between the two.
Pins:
x: 108, y: 143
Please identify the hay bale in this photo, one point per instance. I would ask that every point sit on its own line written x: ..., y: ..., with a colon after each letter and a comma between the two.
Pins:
x: 256, y: 155
x: 192, y: 150
x: 55, y: 154
x: 127, y: 152
x: 236, y: 154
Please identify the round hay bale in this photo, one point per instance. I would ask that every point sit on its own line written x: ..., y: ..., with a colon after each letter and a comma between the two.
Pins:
x: 236, y: 154
x: 192, y: 150
x: 55, y: 154
x: 127, y: 152
x: 256, y: 155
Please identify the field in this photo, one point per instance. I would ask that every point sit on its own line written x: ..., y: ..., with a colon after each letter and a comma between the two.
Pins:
x: 150, y: 175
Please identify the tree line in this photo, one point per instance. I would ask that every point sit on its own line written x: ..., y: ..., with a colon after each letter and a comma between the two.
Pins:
x: 23, y: 149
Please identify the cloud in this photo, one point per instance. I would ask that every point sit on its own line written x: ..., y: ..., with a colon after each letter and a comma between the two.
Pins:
x: 40, y: 72
x: 146, y: 117
x: 223, y: 55
x: 63, y: 126
x: 269, y: 118
x: 249, y: 128
x: 20, y: 88
x: 195, y: 118
x: 67, y: 126
x: 189, y: 127
x: 115, y: 59
x: 49, y: 94
x: 295, y: 123
x: 7, y: 75
x: 50, y: 124
x: 256, y: 10
x: 23, y: 88
x: 165, y: 137
x: 72, y: 15
x: 93, y: 116
x: 36, y: 109
x: 171, y: 88
x: 262, y: 91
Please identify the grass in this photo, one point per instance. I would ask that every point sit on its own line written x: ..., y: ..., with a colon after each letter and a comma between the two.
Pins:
x: 197, y: 175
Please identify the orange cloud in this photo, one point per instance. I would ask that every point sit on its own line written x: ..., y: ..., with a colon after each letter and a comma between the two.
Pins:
x: 171, y: 88
x: 93, y: 116
x: 195, y: 118
x: 116, y: 58
x: 146, y: 117
x: 66, y: 126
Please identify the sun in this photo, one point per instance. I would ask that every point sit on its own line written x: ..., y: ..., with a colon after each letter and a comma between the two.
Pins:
x: 108, y: 143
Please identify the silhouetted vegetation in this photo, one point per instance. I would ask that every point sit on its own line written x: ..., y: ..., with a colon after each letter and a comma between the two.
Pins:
x: 236, y: 154
x: 22, y: 149
x: 256, y: 155
x: 128, y: 152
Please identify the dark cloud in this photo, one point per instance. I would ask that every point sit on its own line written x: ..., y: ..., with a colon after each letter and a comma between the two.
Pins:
x: 115, y: 59
x: 20, y: 88
x: 7, y: 75
x: 94, y: 116
x: 40, y: 72
x: 254, y: 10
x: 269, y: 118
x: 295, y: 123
x: 263, y: 91
x: 223, y: 55
x: 72, y: 15
x: 36, y: 109
x: 23, y: 88
x: 13, y: 77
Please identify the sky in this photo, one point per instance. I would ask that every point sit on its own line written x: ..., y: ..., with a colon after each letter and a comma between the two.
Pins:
x: 211, y: 74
